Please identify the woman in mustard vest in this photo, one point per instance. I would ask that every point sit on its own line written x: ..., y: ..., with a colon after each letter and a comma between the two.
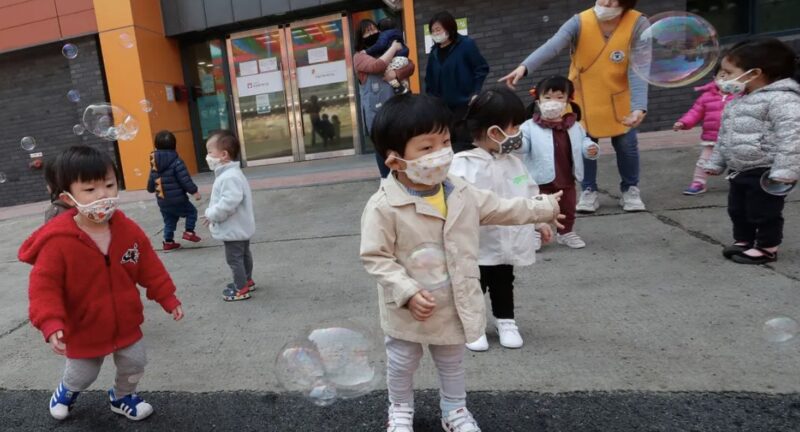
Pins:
x: 613, y: 98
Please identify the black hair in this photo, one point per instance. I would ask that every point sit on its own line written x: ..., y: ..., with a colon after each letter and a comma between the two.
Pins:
x: 50, y: 178
x: 405, y: 116
x: 227, y: 141
x: 555, y: 83
x: 775, y: 59
x: 628, y: 4
x: 165, y: 140
x: 387, y: 23
x: 448, y: 23
x: 494, y: 107
x: 81, y: 164
x: 363, y: 26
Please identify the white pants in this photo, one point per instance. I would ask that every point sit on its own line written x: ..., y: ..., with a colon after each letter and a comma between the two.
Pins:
x: 79, y: 374
x: 403, y: 360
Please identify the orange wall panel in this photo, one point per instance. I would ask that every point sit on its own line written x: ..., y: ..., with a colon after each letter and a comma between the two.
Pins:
x: 66, y: 7
x: 25, y: 13
x: 147, y: 14
x: 186, y: 149
x: 78, y: 24
x: 112, y: 14
x: 161, y: 57
x: 172, y: 116
x: 31, y: 34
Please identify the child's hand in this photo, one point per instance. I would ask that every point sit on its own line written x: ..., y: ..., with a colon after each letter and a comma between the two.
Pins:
x: 197, y: 196
x: 678, y: 126
x: 546, y: 233
x: 422, y: 305
x: 177, y: 313
x: 557, y: 223
x: 57, y: 343
x: 558, y: 195
x: 711, y: 172
x: 204, y: 220
x: 593, y: 151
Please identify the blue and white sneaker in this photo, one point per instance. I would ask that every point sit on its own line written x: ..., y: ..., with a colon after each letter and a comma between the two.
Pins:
x: 131, y: 406
x: 62, y: 401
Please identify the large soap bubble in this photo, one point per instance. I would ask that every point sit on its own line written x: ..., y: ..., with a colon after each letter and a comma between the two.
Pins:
x: 780, y: 329
x: 427, y: 265
x: 677, y: 49
x: 774, y: 187
x: 110, y: 122
x: 331, y: 362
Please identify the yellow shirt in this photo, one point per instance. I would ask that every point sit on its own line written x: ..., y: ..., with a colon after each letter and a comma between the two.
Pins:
x: 438, y: 202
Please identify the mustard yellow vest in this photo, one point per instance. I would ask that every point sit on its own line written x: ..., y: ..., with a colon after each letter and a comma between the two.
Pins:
x: 599, y: 70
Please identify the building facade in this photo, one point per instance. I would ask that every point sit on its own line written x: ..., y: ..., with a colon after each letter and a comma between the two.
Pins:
x: 277, y: 72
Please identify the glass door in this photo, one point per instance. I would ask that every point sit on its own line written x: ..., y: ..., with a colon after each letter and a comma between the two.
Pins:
x: 293, y: 91
x: 259, y: 70
x: 323, y: 86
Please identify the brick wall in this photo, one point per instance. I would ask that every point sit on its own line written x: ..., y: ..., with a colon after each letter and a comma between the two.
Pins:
x: 507, y: 31
x: 33, y: 89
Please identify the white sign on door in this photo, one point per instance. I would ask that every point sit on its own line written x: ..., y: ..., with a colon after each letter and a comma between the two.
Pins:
x: 321, y: 74
x: 251, y: 85
x: 268, y: 64
x: 317, y: 55
x: 248, y: 68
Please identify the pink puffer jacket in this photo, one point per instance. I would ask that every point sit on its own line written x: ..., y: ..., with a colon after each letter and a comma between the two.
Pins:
x: 708, y: 109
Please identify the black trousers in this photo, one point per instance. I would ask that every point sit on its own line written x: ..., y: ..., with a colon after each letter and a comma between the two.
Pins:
x: 756, y: 215
x: 499, y: 281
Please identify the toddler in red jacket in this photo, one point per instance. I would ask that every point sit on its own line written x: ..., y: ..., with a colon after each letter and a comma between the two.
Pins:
x: 83, y: 295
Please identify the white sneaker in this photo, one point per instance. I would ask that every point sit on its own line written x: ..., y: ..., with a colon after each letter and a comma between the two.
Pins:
x: 537, y: 241
x: 631, y: 200
x: 571, y: 240
x: 509, y: 333
x: 589, y: 202
x: 460, y: 420
x: 480, y: 345
x: 401, y: 418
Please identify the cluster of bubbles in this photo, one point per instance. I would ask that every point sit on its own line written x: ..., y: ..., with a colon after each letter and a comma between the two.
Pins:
x: 780, y: 329
x: 110, y: 122
x: 677, y: 49
x: 126, y: 40
x: 330, y: 363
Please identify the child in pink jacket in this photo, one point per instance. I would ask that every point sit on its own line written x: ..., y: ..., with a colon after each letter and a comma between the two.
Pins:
x: 708, y: 109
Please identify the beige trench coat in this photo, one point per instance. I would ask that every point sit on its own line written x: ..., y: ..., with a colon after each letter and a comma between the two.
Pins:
x: 395, y: 223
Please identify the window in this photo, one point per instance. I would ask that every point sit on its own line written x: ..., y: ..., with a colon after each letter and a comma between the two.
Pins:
x: 747, y: 17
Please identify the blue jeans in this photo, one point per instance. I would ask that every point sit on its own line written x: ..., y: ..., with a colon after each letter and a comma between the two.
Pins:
x: 172, y: 214
x: 627, y: 148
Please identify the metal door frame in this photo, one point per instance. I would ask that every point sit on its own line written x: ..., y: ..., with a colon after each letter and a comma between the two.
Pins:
x: 291, y: 90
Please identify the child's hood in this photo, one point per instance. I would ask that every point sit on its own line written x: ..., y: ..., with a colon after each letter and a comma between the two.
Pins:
x: 476, y: 153
x: 163, y: 159
x: 62, y: 226
x: 784, y: 85
x: 709, y: 87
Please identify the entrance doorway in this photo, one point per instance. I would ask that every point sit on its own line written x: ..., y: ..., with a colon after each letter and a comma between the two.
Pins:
x: 294, y: 91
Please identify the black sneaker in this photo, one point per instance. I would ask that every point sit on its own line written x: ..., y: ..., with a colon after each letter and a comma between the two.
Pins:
x: 729, y: 251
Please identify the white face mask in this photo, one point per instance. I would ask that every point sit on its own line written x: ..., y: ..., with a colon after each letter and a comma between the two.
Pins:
x: 733, y: 86
x: 430, y: 169
x: 97, y: 211
x: 439, y: 37
x: 213, y: 163
x: 509, y: 143
x: 552, y: 109
x: 604, y: 13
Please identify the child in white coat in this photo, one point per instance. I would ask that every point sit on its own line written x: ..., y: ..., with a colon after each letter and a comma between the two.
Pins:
x: 493, y: 120
x: 553, y: 147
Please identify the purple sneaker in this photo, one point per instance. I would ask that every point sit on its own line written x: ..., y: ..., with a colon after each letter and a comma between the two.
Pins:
x: 696, y: 188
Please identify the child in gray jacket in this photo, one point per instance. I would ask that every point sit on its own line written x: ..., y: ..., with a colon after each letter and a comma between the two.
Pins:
x: 758, y: 138
x: 230, y: 212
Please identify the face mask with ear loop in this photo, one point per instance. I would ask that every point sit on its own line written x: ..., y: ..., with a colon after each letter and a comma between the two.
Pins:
x: 509, y: 143
x: 733, y: 86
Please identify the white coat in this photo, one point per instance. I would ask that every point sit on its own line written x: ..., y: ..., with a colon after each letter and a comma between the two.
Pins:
x: 538, y: 153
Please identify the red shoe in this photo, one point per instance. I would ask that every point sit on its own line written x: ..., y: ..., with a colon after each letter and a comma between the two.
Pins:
x: 191, y: 236
x: 250, y: 284
x: 168, y: 246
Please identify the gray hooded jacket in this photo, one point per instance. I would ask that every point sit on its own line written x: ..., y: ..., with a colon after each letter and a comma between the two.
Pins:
x: 762, y: 130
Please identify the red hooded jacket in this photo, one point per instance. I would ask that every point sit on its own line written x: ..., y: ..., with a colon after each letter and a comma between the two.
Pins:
x: 93, y: 297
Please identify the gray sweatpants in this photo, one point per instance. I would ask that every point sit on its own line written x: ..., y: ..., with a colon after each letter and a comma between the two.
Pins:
x: 79, y: 374
x: 240, y: 260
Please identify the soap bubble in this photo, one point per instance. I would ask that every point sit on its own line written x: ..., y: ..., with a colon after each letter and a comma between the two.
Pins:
x: 677, y: 49
x: 69, y: 51
x: 780, y: 329
x: 74, y: 95
x: 146, y: 105
x: 332, y: 362
x: 78, y: 129
x: 773, y: 187
x: 110, y: 122
x: 3, y: 177
x: 27, y: 143
x: 126, y: 40
x: 545, y: 18
x: 427, y: 264
x: 137, y: 172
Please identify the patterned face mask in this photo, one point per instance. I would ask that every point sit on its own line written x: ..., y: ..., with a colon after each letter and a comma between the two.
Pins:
x: 552, y: 109
x: 98, y: 211
x: 509, y: 143
x: 430, y: 169
x: 733, y: 86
